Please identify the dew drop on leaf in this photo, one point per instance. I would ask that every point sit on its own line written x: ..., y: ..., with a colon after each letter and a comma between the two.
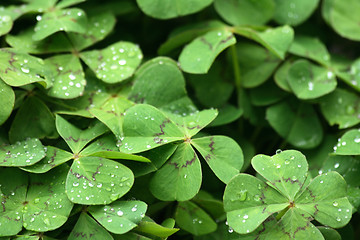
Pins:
x: 335, y: 204
x: 242, y: 195
x: 257, y: 197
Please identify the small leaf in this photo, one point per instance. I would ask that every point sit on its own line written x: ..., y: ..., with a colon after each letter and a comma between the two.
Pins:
x: 115, y: 63
x: 120, y: 216
x: 308, y: 81
x: 277, y: 40
x: 6, y: 22
x: 54, y: 157
x: 22, y: 153
x: 33, y: 119
x: 47, y: 206
x: 68, y: 76
x: 68, y: 20
x: 297, y: 123
x: 311, y: 48
x: 163, y: 9
x: 245, y: 12
x: 19, y: 69
x: 351, y: 76
x: 341, y: 107
x: 280, y: 75
x: 111, y: 113
x: 223, y: 155
x: 198, y: 56
x: 7, y: 98
x: 349, y: 143
x: 325, y: 198
x: 285, y: 171
x: 193, y: 219
x: 180, y: 178
x: 294, y: 12
x: 93, y: 181
x: 156, y: 129
x: 150, y: 227
x: 88, y: 228
x: 76, y: 138
x: 248, y: 202
x: 99, y: 26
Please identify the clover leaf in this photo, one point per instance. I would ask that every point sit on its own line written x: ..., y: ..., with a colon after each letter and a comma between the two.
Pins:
x: 348, y: 144
x: 7, y: 96
x: 249, y: 201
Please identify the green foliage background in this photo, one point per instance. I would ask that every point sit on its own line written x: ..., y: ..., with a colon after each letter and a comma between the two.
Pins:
x: 157, y: 119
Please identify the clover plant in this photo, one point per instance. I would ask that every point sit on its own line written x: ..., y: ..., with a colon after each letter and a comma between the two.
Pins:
x: 155, y: 119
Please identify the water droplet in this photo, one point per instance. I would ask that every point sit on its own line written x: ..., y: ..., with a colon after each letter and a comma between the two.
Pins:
x: 338, y: 219
x: 231, y: 230
x: 242, y: 195
x: 330, y: 74
x: 335, y: 204
x: 278, y: 151
x: 278, y: 166
x: 38, y: 18
x: 36, y: 200
x: 287, y: 161
x: 75, y: 184
x: 134, y: 209
x: 299, y: 166
x: 120, y: 213
x: 246, y: 216
x: 25, y: 70
x: 257, y: 197
x: 47, y: 221
x: 336, y: 165
x: 99, y: 185
x: 122, y: 62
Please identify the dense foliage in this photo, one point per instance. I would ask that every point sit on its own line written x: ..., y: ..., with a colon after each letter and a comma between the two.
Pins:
x: 187, y: 119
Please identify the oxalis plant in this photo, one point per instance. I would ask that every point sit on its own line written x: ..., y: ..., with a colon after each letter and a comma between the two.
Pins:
x: 202, y: 119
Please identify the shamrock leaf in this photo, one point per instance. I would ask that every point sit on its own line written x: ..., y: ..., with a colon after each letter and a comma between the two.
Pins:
x: 348, y: 144
x: 7, y: 97
x: 163, y: 9
x: 115, y: 63
x: 41, y: 206
x: 22, y: 153
x: 198, y: 56
x: 249, y: 202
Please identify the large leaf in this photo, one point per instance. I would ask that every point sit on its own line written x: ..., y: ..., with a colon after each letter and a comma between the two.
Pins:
x: 222, y: 154
x: 76, y: 138
x: 349, y: 143
x: 164, y: 9
x: 294, y: 12
x: 245, y: 12
x: 309, y: 81
x: 193, y: 219
x: 7, y: 98
x: 277, y: 40
x: 198, y: 55
x: 297, y: 123
x: 93, y: 180
x: 68, y: 76
x: 120, y: 216
x: 33, y: 119
x: 22, y: 153
x: 180, y: 178
x: 18, y: 68
x: 115, y: 63
x: 68, y: 20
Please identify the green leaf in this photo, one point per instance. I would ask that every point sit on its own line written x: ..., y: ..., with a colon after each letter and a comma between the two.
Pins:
x: 6, y: 22
x: 256, y: 63
x: 294, y: 12
x: 341, y: 107
x: 276, y: 40
x: 163, y: 9
x: 111, y: 113
x: 297, y: 123
x: 68, y: 20
x: 227, y: 114
x: 7, y: 98
x: 150, y: 227
x: 348, y: 144
x: 76, y: 138
x: 156, y: 129
x: 285, y: 171
x: 12, y: 193
x: 248, y: 202
x: 223, y: 155
x: 198, y: 56
x: 19, y: 69
x: 325, y: 199
x: 311, y: 48
x: 22, y: 153
x: 68, y: 76
x: 53, y: 44
x: 351, y: 76
x: 99, y: 26
x: 47, y: 206
x: 88, y: 228
x: 245, y: 12
x: 120, y: 216
x: 266, y: 94
x: 115, y: 63
x: 180, y: 178
x: 54, y: 157
x: 68, y: 3
x: 33, y: 119
x: 309, y: 81
x: 280, y: 75
x: 329, y: 233
x: 159, y: 82
x: 193, y: 219
x: 93, y: 180
x: 344, y: 18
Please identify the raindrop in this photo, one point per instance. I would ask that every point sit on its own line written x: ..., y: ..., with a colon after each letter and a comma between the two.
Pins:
x: 278, y: 151
x: 38, y: 18
x: 338, y: 219
x: 134, y: 209
x: 75, y: 184
x: 25, y: 70
x: 299, y: 166
x: 120, y: 213
x: 242, y: 195
x: 335, y: 204
x: 99, y: 185
x: 246, y: 216
x: 336, y: 165
x: 257, y: 197
x: 287, y: 161
x: 231, y: 230
x: 122, y: 62
x: 47, y: 221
